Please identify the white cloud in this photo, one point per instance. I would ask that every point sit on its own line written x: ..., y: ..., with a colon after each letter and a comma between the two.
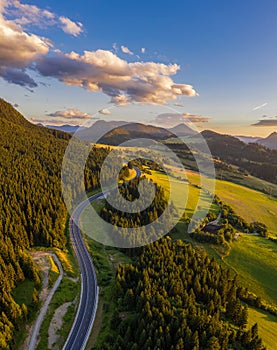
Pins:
x: 19, y: 48
x: 30, y: 14
x: 70, y: 114
x: 105, y: 111
x: 125, y: 49
x: 56, y: 122
x: 115, y: 47
x: 26, y: 14
x: 71, y: 27
x: 259, y: 107
x: 172, y: 119
x: 102, y: 70
x: 143, y: 50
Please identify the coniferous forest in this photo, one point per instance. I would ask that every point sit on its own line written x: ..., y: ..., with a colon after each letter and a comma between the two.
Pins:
x: 32, y: 211
x: 176, y: 298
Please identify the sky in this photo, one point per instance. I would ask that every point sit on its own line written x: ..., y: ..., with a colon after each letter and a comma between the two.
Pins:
x: 212, y: 63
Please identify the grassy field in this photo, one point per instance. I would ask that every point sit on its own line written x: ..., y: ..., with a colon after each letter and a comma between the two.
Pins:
x: 267, y: 325
x: 250, y: 204
x: 179, y: 185
x: 23, y: 293
x: 254, y: 259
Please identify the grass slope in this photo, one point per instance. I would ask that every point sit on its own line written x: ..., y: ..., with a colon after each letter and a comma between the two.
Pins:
x: 267, y: 326
x: 252, y: 205
x: 254, y: 259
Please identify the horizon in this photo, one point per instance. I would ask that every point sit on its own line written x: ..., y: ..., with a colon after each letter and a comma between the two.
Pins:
x: 217, y: 71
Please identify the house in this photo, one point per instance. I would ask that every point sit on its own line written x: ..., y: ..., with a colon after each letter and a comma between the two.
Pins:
x: 211, y: 228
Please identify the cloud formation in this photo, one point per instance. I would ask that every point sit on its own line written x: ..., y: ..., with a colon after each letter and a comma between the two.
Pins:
x: 18, y: 48
x: 56, y: 122
x: 125, y: 49
x: 105, y: 111
x: 18, y: 77
x: 26, y: 14
x: 172, y: 119
x: 102, y: 70
x: 143, y: 50
x: 259, y: 107
x: 71, y: 27
x: 70, y: 114
x: 29, y: 14
x: 266, y: 122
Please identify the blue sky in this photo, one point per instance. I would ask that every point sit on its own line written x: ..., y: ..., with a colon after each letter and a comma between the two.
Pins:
x: 226, y: 50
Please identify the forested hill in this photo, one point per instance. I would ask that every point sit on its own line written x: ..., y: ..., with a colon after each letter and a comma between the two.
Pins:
x: 32, y: 212
x: 31, y: 206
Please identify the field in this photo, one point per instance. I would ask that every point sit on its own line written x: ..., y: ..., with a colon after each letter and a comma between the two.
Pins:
x: 267, y: 326
x: 254, y: 259
x: 250, y: 204
x: 181, y: 189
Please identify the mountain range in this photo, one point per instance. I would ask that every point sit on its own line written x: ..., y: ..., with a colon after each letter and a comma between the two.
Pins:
x: 114, y: 132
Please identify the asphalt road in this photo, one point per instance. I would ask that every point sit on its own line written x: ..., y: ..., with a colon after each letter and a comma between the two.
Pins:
x: 84, y: 319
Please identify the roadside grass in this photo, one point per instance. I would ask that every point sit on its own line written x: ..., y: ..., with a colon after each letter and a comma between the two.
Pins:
x: 23, y: 293
x: 106, y: 260
x: 66, y: 292
x: 53, y: 273
x: 267, y: 325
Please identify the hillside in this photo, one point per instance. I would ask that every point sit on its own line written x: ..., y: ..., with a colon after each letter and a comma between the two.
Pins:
x: 31, y: 207
x: 116, y: 132
x: 270, y: 141
x: 250, y: 158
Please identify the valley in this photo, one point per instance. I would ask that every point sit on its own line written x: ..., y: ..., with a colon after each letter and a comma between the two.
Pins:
x: 247, y: 255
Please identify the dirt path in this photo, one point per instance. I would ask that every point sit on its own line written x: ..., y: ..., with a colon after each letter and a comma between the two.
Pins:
x: 56, y: 324
x: 46, y: 296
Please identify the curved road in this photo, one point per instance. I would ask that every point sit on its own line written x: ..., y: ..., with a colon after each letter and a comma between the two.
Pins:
x: 85, y: 316
x: 84, y: 319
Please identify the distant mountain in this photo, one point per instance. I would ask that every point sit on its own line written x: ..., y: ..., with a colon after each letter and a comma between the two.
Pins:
x: 116, y: 132
x: 252, y: 158
x: 247, y: 139
x: 182, y: 130
x: 71, y: 129
x: 270, y: 141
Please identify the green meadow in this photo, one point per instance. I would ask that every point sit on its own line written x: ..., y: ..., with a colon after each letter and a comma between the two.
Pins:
x: 267, y: 326
x: 253, y: 258
x: 250, y: 204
